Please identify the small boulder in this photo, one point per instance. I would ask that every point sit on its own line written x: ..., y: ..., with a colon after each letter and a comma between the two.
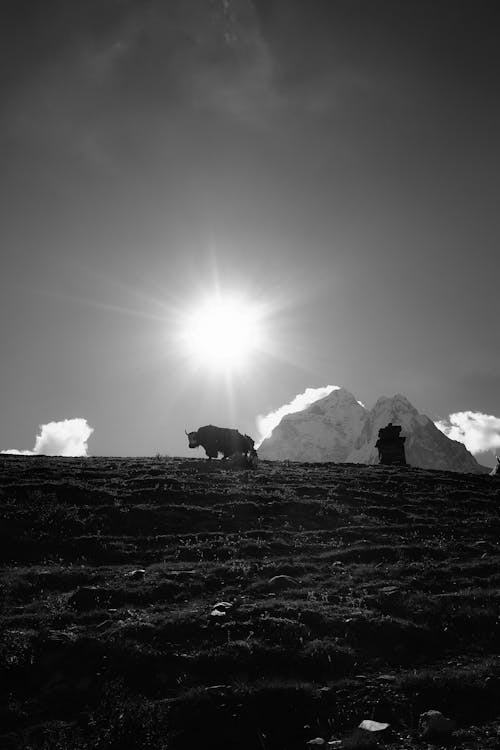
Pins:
x: 138, y: 573
x: 221, y: 609
x: 373, y: 726
x: 434, y: 724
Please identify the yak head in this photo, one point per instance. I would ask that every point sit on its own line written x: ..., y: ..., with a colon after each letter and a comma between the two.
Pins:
x: 192, y: 438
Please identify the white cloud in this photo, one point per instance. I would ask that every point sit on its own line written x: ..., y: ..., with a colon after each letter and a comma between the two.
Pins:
x: 479, y: 432
x: 15, y: 452
x: 266, y: 423
x: 66, y: 438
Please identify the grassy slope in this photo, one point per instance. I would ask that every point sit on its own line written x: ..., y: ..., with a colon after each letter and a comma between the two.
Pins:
x: 392, y: 610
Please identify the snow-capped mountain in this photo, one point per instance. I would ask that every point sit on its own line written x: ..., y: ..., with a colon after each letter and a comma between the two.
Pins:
x: 338, y: 428
x: 325, y: 431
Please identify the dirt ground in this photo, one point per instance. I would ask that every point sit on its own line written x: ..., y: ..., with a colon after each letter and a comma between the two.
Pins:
x: 173, y: 603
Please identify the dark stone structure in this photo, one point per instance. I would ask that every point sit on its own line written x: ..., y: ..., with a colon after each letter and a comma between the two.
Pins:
x: 391, y: 446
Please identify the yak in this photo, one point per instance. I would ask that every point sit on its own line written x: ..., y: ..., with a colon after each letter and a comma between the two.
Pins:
x: 223, y: 440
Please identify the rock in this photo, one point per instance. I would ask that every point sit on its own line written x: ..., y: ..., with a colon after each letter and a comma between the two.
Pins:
x: 316, y: 742
x: 389, y: 590
x: 138, y: 573
x: 217, y: 613
x: 373, y: 726
x: 434, y: 724
x: 220, y: 609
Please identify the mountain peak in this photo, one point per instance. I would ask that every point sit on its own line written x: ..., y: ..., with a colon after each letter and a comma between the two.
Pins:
x: 398, y: 400
x: 395, y: 409
x: 337, y: 396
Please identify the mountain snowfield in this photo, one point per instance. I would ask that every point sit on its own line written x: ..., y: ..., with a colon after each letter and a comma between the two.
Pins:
x: 338, y: 428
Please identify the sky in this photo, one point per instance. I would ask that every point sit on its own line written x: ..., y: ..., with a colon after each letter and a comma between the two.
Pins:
x: 334, y: 164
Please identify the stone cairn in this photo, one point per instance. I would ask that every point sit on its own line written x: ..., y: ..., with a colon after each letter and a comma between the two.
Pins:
x: 391, y: 446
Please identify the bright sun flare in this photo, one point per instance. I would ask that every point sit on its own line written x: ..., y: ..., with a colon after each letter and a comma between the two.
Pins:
x: 223, y: 334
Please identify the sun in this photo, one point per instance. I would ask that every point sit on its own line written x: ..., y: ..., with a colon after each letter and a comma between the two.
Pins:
x: 223, y: 333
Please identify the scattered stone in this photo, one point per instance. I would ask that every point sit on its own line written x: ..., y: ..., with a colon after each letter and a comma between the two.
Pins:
x: 138, y: 573
x: 373, y: 726
x: 389, y: 590
x: 221, y: 609
x: 434, y: 724
x: 283, y: 581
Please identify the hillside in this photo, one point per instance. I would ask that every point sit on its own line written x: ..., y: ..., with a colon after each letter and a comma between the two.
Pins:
x: 112, y: 570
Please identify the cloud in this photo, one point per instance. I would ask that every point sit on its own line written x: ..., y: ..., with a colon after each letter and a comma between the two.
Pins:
x: 266, y: 423
x: 15, y: 452
x: 479, y: 432
x: 66, y: 438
